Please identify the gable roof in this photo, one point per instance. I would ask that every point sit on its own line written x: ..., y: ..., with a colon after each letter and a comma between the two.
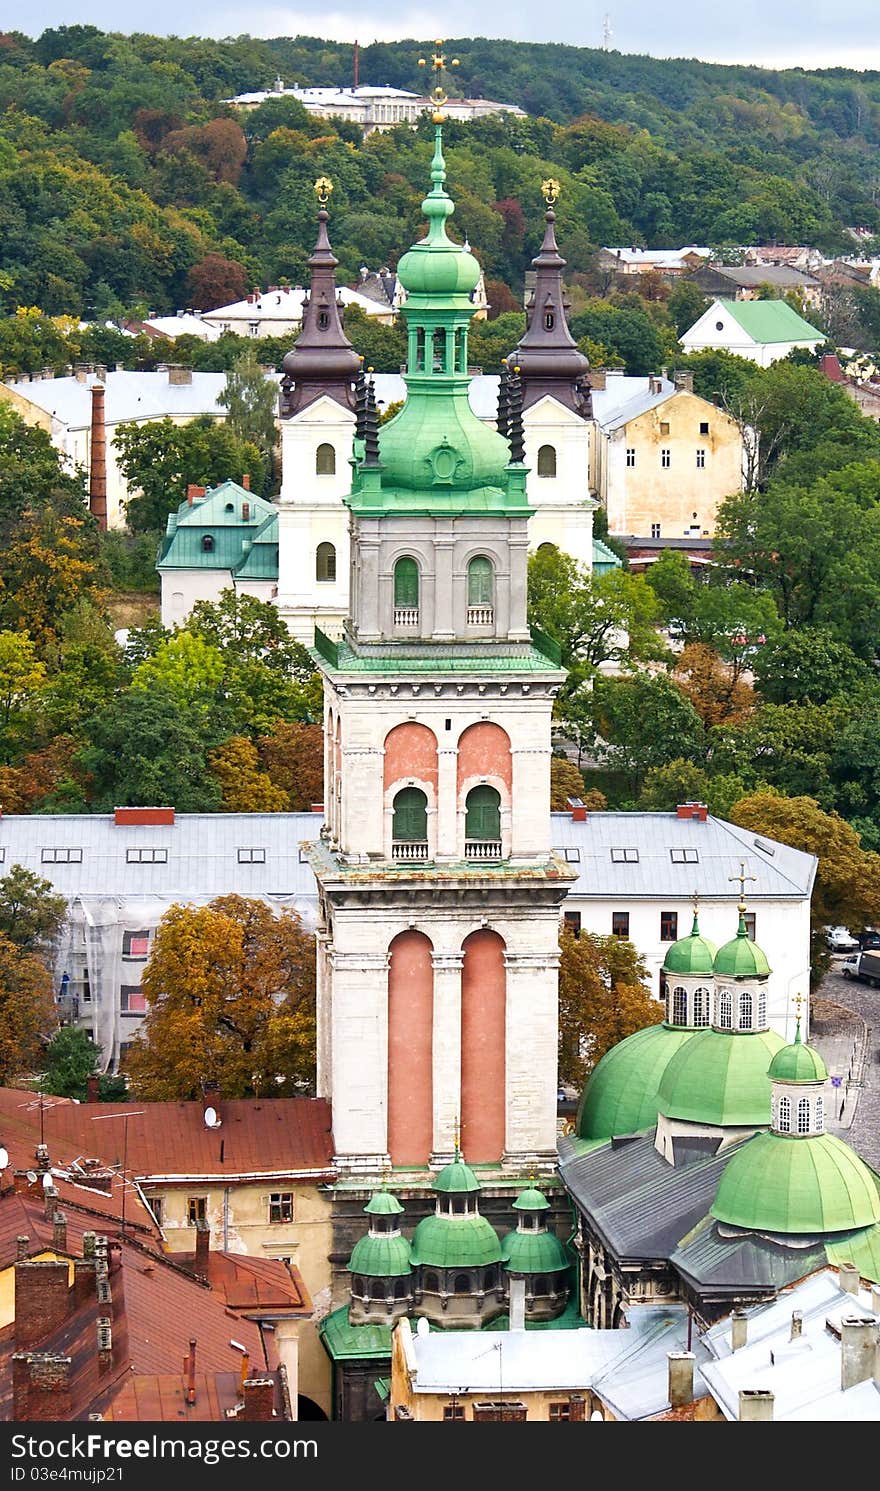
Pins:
x: 219, y: 514
x: 769, y: 321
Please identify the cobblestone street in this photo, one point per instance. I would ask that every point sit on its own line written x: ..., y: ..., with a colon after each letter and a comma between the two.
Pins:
x: 835, y: 1034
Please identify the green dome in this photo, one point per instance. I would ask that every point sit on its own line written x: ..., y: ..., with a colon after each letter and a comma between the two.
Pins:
x: 383, y: 1204
x: 436, y: 265
x: 691, y: 954
x: 381, y: 1257
x: 798, y: 1063
x: 720, y: 1078
x: 436, y: 445
x: 741, y: 958
x: 531, y: 1200
x: 533, y: 1253
x: 780, y: 1183
x: 455, y: 1242
x: 621, y: 1092
x: 456, y: 1179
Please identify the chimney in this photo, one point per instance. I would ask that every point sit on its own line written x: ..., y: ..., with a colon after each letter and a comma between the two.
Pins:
x: 875, y: 1299
x: 41, y: 1155
x: 259, y: 1400
x: 739, y: 1330
x: 50, y: 1196
x: 177, y: 374
x: 193, y: 492
x: 22, y: 1246
x: 93, y: 1088
x: 797, y: 1325
x: 105, y: 1343
x: 684, y: 381
x: 59, y: 1232
x: 84, y: 1277
x: 80, y: 372
x: 211, y: 1095
x: 41, y: 1299
x: 98, y: 462
x: 203, y: 1247
x: 681, y: 1377
x: 245, y: 512
x: 848, y: 1278
x: 517, y: 1304
x: 189, y: 1370
x: 139, y: 817
x: 578, y: 810
x: 40, y: 1387
x: 697, y: 811
x: 597, y: 378
x: 88, y: 1244
x: 755, y: 1405
x: 858, y: 1344
x: 246, y: 481
x: 316, y: 807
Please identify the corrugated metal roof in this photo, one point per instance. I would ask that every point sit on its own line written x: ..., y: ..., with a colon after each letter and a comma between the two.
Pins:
x: 129, y: 396
x: 615, y: 416
x: 769, y: 321
x: 715, y: 1261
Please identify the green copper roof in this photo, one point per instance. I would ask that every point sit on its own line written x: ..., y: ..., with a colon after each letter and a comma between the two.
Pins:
x: 380, y: 1256
x: 863, y: 1250
x: 769, y: 321
x: 531, y: 1200
x: 383, y: 1204
x: 346, y: 1342
x: 720, y: 1078
x: 436, y: 266
x: 438, y: 657
x: 741, y: 958
x: 218, y: 517
x: 782, y: 1183
x: 604, y: 559
x: 798, y: 1063
x: 692, y: 954
x: 456, y: 1179
x: 621, y: 1092
x: 533, y: 1253
x: 455, y: 1242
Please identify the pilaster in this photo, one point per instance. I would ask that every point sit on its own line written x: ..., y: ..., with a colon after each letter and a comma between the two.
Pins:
x: 446, y: 1054
x: 360, y: 1062
x: 532, y: 1048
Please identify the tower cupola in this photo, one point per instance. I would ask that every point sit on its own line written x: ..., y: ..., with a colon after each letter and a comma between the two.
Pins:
x: 322, y: 360
x: 535, y: 1254
x: 457, y: 1254
x: 380, y: 1265
x: 547, y: 355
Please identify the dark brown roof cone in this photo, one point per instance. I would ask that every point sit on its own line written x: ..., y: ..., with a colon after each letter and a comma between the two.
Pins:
x: 547, y: 357
x: 322, y: 360
x: 98, y: 460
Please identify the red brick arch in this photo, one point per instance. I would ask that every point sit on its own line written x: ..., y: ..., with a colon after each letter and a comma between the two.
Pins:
x: 411, y: 751
x: 484, y: 751
x: 410, y: 1049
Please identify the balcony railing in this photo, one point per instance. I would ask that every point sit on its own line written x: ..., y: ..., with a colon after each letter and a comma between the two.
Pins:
x: 406, y: 615
x: 481, y: 615
x: 408, y: 850
x: 483, y: 849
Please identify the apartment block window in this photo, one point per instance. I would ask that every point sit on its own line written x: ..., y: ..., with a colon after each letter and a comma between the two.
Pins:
x: 453, y: 1413
x: 135, y: 944
x: 655, y: 530
x: 701, y: 459
x: 252, y: 856
x: 620, y: 924
x: 146, y: 856
x: 196, y: 1210
x: 685, y: 856
x: 668, y: 926
x: 624, y: 856
x: 132, y: 1000
x: 281, y: 1206
x: 630, y: 456
x: 665, y: 457
x: 704, y: 426
x: 749, y: 920
x: 61, y: 856
x: 86, y: 987
x: 572, y: 920
x: 559, y: 1413
x: 155, y: 1205
x: 664, y: 427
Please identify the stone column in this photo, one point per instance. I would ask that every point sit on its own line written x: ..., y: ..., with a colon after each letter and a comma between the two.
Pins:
x: 359, y: 1023
x: 446, y: 1054
x: 361, y: 828
x: 530, y: 797
x: 323, y: 1006
x: 444, y: 623
x: 366, y: 618
x: 447, y: 816
x: 532, y: 1055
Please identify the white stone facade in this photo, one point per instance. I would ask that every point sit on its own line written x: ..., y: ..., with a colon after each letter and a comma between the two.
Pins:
x: 311, y: 513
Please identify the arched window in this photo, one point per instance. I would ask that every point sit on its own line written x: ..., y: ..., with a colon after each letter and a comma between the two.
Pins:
x: 820, y: 1114
x: 400, y: 1289
x: 410, y: 824
x: 701, y: 1007
x: 431, y: 1284
x: 325, y: 564
x: 745, y: 1010
x: 725, y: 1010
x: 323, y: 320
x: 549, y: 320
x: 325, y: 460
x: 679, y: 1006
x: 377, y: 1289
x: 462, y: 1284
x: 784, y: 1124
x: 489, y: 1278
x: 420, y: 349
x: 406, y: 585
x: 357, y: 1285
x: 483, y: 815
x: 208, y: 544
x: 803, y: 1116
x: 762, y: 1009
x: 480, y: 583
x: 547, y: 460
x: 540, y: 1285
x: 461, y: 350
x: 439, y: 341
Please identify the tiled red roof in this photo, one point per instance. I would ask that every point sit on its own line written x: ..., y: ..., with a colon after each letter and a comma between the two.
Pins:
x: 84, y: 1211
x: 163, y: 1400
x: 276, y: 1136
x: 259, y: 1284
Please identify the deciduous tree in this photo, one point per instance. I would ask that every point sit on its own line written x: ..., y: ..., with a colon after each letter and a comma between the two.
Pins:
x: 27, y: 1011
x: 293, y: 756
x: 245, y: 788
x: 603, y: 998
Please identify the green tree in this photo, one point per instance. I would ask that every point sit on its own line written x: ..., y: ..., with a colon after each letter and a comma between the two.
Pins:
x: 31, y: 914
x: 252, y: 403
x: 71, y: 1058
x: 603, y: 998
x: 160, y: 459
x: 22, y: 684
x: 807, y: 665
x: 27, y: 1012
x: 144, y: 748
x: 643, y: 721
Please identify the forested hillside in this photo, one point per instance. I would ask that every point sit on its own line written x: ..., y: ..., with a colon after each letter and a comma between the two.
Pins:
x: 125, y: 180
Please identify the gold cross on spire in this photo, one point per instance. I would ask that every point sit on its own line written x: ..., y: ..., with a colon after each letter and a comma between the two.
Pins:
x: 742, y: 877
x: 456, y: 1134
x: 550, y: 191
x: 323, y: 188
x: 438, y: 65
x: 695, y: 899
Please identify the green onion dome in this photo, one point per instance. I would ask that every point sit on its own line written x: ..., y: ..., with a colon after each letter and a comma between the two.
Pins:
x: 456, y: 1179
x: 741, y: 958
x: 466, y: 1241
x: 383, y: 1204
x: 436, y: 265
x: 533, y: 1253
x: 694, y: 954
x: 798, y: 1063
x: 720, y: 1078
x: 793, y: 1184
x: 381, y: 1255
x: 531, y: 1200
x: 620, y: 1096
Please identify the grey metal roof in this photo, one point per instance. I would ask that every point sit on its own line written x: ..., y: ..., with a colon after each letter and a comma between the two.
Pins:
x: 129, y: 396
x: 719, y: 1264
x: 786, y: 874
x: 616, y: 410
x: 640, y: 1204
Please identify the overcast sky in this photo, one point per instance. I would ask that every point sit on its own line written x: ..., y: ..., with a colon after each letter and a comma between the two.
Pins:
x: 776, y: 33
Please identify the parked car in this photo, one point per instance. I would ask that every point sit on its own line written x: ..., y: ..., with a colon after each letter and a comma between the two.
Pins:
x: 841, y: 940
x: 868, y: 940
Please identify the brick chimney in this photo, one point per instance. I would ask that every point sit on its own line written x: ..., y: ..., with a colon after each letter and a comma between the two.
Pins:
x: 139, y: 817
x: 59, y: 1232
x: 50, y: 1196
x: 203, y: 1247
x: 93, y: 1088
x: 40, y: 1387
x: 697, y: 811
x: 41, y: 1299
x: 597, y: 378
x: 189, y: 1372
x: 177, y: 374
x: 246, y: 481
x: 193, y: 492
x: 259, y: 1400
x: 22, y: 1246
x: 578, y: 809
x: 684, y: 381
x: 105, y: 1343
x: 98, y: 462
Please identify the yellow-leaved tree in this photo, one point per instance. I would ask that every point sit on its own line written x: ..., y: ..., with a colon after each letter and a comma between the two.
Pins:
x: 603, y: 998
x: 230, y: 991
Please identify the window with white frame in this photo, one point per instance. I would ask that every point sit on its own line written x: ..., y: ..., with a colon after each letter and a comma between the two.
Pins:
x: 665, y: 457
x: 679, y: 1006
x: 252, y: 856
x: 61, y: 856
x: 281, y: 1206
x: 745, y: 1010
x: 803, y: 1116
x: 685, y: 856
x: 702, y: 1012
x: 701, y: 460
x: 621, y: 856
x: 820, y: 1114
x: 762, y: 1009
x: 725, y: 1010
x: 572, y: 856
x: 784, y: 1122
x: 630, y: 456
x: 146, y: 856
x: 655, y: 530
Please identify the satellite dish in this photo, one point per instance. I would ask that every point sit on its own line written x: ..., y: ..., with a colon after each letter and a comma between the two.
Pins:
x: 4, y: 1157
x: 48, y: 1183
x: 423, y: 1328
x: 211, y: 1119
x: 32, y: 1177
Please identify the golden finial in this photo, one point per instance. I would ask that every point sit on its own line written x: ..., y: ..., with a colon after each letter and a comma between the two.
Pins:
x: 456, y: 1135
x: 550, y: 190
x: 742, y: 877
x: 323, y: 188
x: 438, y: 94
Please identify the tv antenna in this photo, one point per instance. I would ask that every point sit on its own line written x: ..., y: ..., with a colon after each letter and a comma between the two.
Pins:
x: 607, y: 33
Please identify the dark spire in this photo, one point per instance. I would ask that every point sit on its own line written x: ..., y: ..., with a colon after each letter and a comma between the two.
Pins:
x: 371, y: 428
x: 360, y: 404
x: 502, y: 420
x: 515, y: 431
x: 322, y: 360
x: 547, y: 355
